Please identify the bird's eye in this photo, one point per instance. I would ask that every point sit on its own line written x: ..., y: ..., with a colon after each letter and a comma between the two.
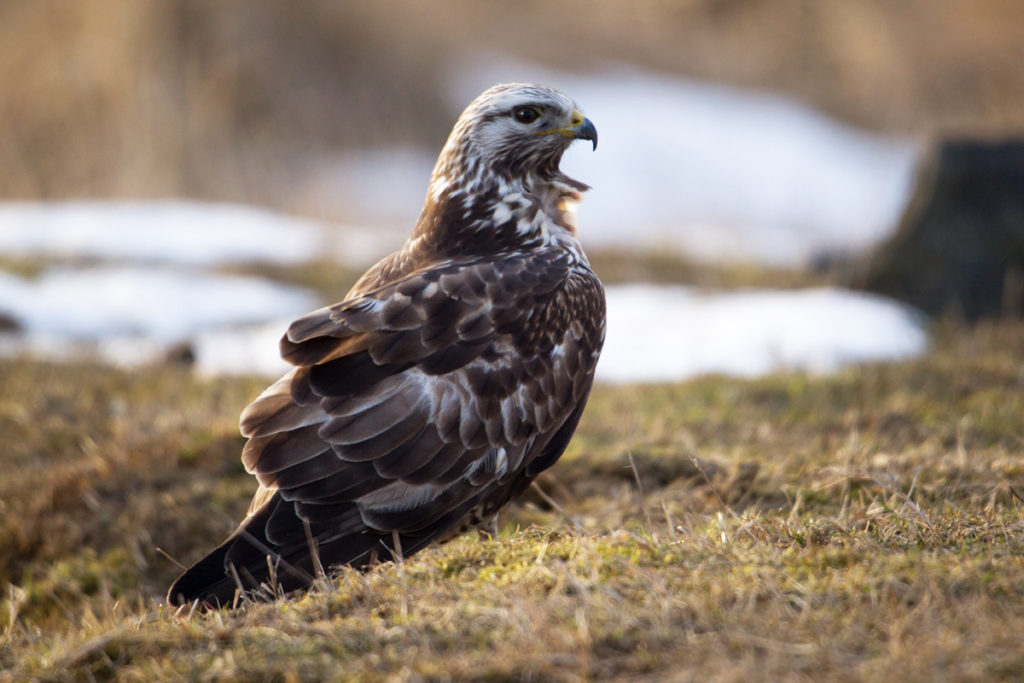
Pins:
x: 526, y: 114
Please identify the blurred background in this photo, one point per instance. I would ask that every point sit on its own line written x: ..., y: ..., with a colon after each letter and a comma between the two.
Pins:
x: 161, y: 162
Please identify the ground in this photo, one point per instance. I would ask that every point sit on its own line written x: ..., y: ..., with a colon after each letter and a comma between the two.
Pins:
x: 858, y: 526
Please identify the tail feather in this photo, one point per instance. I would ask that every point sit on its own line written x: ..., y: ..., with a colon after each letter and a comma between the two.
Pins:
x: 248, y: 560
x: 205, y: 580
x: 211, y: 579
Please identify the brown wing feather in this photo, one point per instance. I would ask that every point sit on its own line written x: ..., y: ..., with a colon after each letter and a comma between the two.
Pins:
x: 487, y: 379
x: 418, y: 401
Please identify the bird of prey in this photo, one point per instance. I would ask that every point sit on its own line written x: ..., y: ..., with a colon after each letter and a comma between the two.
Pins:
x: 451, y: 375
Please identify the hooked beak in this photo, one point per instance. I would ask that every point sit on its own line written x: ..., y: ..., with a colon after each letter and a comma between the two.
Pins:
x: 585, y: 130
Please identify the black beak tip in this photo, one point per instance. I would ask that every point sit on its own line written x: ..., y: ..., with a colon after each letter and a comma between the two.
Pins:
x: 587, y: 131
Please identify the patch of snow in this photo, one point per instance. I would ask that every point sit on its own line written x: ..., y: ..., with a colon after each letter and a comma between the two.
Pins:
x: 658, y: 333
x: 178, y: 232
x: 148, y: 305
x: 719, y: 173
x: 133, y: 315
x: 245, y: 350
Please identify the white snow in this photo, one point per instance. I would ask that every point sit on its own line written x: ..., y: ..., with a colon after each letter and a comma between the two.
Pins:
x: 658, y: 333
x: 131, y: 315
x: 242, y: 350
x: 719, y: 173
x: 179, y: 231
x: 161, y: 303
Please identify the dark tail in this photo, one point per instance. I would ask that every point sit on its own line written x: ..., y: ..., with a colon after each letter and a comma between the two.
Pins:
x: 245, y: 562
x: 275, y: 551
x: 248, y: 562
x: 205, y: 580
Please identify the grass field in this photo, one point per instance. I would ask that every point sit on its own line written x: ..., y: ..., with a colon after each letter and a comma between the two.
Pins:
x: 865, y: 525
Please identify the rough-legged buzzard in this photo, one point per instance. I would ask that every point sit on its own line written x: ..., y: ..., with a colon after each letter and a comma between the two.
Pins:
x: 452, y: 374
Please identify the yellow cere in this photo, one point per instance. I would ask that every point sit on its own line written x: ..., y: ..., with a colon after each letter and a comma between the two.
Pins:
x: 577, y: 119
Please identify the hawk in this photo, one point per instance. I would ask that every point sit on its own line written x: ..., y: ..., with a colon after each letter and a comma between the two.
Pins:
x: 450, y: 376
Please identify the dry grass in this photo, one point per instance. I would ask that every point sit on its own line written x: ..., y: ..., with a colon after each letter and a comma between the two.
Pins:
x: 861, y: 526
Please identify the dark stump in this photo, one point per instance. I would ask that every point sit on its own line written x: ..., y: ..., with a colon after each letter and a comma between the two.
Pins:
x: 959, y: 249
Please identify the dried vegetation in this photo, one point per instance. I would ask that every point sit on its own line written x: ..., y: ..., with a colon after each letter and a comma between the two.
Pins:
x: 856, y: 526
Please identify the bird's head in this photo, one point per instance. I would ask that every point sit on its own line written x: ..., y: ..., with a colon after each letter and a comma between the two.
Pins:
x: 515, y: 130
x: 497, y: 184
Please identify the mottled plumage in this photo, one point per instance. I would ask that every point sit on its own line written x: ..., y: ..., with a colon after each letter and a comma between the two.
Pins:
x: 452, y: 374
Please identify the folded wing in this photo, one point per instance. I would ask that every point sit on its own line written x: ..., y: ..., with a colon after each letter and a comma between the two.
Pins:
x: 413, y: 407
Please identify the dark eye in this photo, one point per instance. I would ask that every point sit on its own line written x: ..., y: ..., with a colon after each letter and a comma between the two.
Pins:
x: 526, y: 114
